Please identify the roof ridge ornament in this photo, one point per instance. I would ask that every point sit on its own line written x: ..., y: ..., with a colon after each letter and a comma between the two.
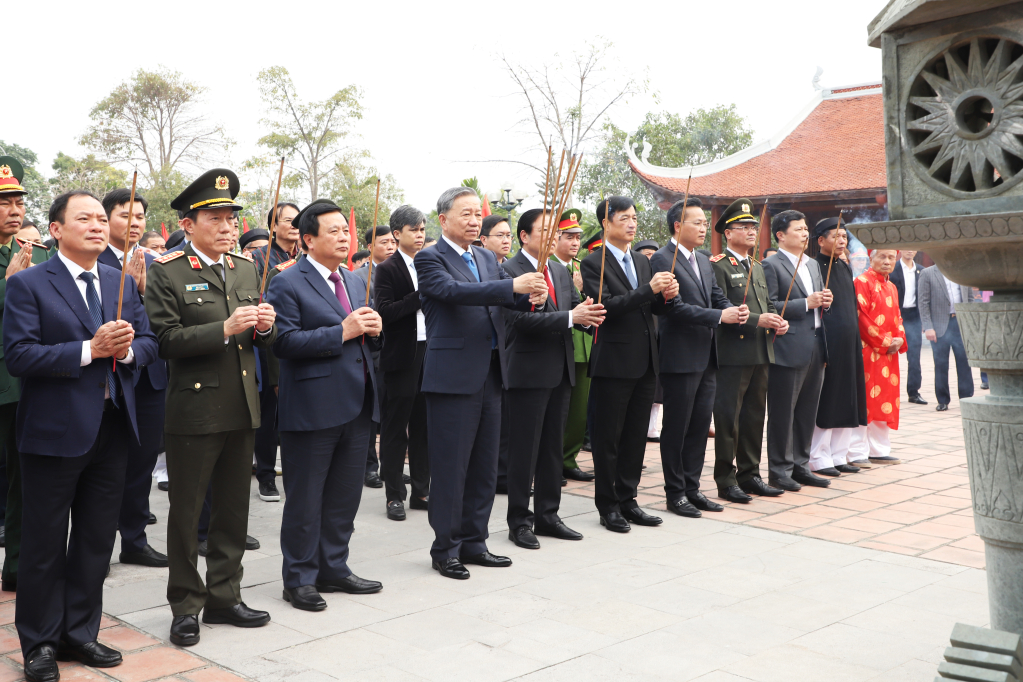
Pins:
x: 816, y: 82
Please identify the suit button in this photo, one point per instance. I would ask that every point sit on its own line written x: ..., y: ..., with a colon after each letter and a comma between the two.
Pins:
x: 229, y: 298
x: 101, y: 384
x: 198, y: 300
x: 239, y: 346
x: 245, y: 373
x: 198, y: 386
x: 741, y: 336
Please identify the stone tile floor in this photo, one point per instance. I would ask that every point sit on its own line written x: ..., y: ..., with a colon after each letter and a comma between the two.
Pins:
x: 817, y: 587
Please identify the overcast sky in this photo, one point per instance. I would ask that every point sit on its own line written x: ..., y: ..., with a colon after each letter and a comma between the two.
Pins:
x: 435, y: 93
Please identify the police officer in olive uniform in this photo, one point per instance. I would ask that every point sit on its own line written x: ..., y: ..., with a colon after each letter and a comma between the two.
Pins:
x: 744, y: 356
x: 12, y: 213
x: 203, y: 304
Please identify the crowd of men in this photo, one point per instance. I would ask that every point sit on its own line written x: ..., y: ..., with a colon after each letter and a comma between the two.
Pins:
x: 487, y: 371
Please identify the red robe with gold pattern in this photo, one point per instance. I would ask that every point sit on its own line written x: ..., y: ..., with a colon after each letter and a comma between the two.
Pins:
x: 877, y: 304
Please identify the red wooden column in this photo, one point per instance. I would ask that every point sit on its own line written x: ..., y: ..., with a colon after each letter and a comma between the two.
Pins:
x: 715, y: 236
x: 765, y: 234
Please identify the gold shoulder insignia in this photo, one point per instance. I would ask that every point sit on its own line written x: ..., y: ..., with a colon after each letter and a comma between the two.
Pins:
x: 245, y: 256
x: 167, y: 257
x: 286, y: 264
x: 715, y: 259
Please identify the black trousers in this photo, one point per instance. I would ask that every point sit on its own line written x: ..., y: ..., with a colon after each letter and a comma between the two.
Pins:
x: 372, y: 463
x: 13, y: 508
x: 323, y: 489
x: 535, y: 450
x: 740, y: 406
x: 688, y: 408
x: 266, y: 434
x: 403, y: 429
x: 463, y: 432
x: 621, y: 414
x: 503, y: 444
x: 150, y: 406
x: 951, y: 340
x: 914, y: 340
x: 60, y: 584
x: 792, y: 397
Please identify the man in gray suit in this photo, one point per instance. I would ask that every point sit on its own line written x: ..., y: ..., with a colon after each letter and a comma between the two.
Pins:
x: 794, y: 383
x: 937, y: 297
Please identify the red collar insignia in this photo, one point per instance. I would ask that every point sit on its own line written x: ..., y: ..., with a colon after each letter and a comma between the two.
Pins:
x: 230, y: 263
x: 195, y: 262
x: 733, y: 261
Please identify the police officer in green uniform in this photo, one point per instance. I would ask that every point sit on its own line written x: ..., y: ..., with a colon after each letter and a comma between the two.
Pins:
x: 565, y: 250
x: 203, y: 304
x: 745, y: 354
x: 12, y: 259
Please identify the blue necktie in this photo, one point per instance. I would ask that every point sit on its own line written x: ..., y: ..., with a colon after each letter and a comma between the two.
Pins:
x: 467, y: 257
x: 96, y: 311
x: 629, y: 271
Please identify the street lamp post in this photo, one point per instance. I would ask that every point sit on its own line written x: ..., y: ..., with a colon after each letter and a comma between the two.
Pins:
x: 507, y: 199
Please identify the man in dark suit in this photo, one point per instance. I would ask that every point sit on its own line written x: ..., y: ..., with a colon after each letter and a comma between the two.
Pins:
x: 75, y: 419
x: 129, y: 223
x: 906, y: 278
x: 403, y: 414
x: 794, y: 383
x: 624, y: 364
x: 463, y: 292
x: 688, y: 357
x: 327, y: 405
x: 539, y: 376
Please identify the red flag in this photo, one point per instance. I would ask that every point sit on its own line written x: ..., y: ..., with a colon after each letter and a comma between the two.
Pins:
x: 486, y: 207
x: 245, y: 225
x: 163, y: 228
x: 353, y: 242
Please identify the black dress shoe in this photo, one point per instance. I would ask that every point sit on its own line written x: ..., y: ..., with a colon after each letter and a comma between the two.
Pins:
x: 9, y: 585
x: 406, y: 479
x: 984, y: 386
x: 185, y: 630
x: 92, y: 654
x: 734, y: 493
x: 353, y: 584
x: 268, y: 492
x: 641, y: 518
x: 683, y: 507
x: 41, y: 664
x: 829, y: 471
x: 653, y: 439
x: 163, y: 485
x: 615, y: 522
x: 701, y: 502
x: 807, y: 478
x: 396, y: 510
x: 756, y: 486
x: 147, y: 557
x: 917, y: 400
x: 564, y: 482
x: 559, y: 530
x: 451, y: 568
x: 523, y: 537
x: 251, y: 543
x: 239, y: 615
x: 587, y: 446
x: 941, y: 408
x: 305, y: 598
x: 578, y: 474
x: 486, y: 559
x: 847, y: 468
x: 372, y: 480
x: 785, y: 483
x: 416, y: 503
x: 152, y: 519
x: 502, y: 489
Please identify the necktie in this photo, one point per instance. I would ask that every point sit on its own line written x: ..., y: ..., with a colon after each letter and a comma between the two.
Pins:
x: 219, y: 269
x: 467, y: 257
x: 96, y: 312
x: 745, y: 264
x: 339, y: 291
x: 630, y: 272
x: 550, y: 287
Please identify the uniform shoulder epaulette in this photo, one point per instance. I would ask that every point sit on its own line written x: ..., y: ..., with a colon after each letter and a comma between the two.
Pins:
x: 168, y: 257
x: 285, y: 265
x: 715, y: 259
x: 245, y: 256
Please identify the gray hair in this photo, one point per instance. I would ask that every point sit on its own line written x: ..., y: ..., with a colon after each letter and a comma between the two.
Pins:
x: 406, y: 215
x: 447, y: 199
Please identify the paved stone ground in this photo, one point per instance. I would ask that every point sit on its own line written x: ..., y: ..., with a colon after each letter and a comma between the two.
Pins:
x: 815, y: 593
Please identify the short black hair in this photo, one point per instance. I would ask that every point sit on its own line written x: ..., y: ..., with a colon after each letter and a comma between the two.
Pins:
x: 406, y: 215
x: 613, y: 205
x: 148, y: 236
x: 280, y: 205
x: 675, y: 212
x: 59, y: 206
x: 526, y: 222
x: 28, y: 222
x: 360, y: 255
x: 309, y: 223
x: 492, y: 221
x: 381, y: 231
x: 175, y: 238
x: 784, y: 220
x: 120, y: 197
x: 769, y: 248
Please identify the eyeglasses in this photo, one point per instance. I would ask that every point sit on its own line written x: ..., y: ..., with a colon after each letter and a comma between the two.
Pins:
x: 698, y: 223
x: 745, y: 228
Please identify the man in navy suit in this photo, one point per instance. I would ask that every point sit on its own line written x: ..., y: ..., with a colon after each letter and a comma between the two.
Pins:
x: 463, y: 292
x: 75, y: 420
x: 129, y: 223
x: 326, y: 407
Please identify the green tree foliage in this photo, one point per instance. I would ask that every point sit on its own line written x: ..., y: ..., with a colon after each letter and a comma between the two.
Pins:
x: 37, y: 201
x: 159, y: 191
x: 88, y: 173
x: 352, y: 183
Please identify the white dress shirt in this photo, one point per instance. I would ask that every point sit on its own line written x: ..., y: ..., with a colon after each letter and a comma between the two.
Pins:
x: 120, y: 254
x: 806, y: 280
x: 955, y: 294
x: 620, y: 257
x: 420, y: 317
x: 76, y: 270
x: 458, y: 249
x: 686, y: 253
x: 739, y: 258
x: 535, y: 264
x: 909, y: 275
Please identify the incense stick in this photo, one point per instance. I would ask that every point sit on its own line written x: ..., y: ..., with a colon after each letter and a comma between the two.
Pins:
x: 678, y: 235
x: 124, y: 254
x: 269, y: 245
x: 792, y: 281
x: 372, y: 245
x: 756, y: 249
x: 603, y: 257
x: 831, y: 260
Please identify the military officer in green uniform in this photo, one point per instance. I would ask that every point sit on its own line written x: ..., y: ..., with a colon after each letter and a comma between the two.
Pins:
x: 745, y: 354
x: 203, y: 304
x: 565, y: 250
x: 12, y: 259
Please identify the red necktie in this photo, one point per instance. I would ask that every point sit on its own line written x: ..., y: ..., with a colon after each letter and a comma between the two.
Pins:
x: 339, y: 291
x: 550, y: 286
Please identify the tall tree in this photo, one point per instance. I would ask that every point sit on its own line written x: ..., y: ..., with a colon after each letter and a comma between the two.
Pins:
x: 37, y: 200
x: 352, y: 183
x: 88, y: 173
x: 313, y: 132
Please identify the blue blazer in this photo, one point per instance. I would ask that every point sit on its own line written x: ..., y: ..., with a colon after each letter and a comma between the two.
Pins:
x: 461, y: 316
x: 319, y: 370
x: 158, y: 368
x: 45, y: 322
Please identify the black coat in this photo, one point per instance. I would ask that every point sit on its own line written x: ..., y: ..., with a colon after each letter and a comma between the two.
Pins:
x: 843, y: 402
x: 397, y: 301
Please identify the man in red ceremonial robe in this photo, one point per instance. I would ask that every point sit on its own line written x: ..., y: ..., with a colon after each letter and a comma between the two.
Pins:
x: 883, y: 337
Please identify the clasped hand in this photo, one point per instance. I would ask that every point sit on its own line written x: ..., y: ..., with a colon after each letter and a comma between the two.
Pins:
x: 362, y: 321
x: 818, y: 299
x: 260, y: 316
x: 113, y: 339
x: 735, y: 314
x: 588, y: 313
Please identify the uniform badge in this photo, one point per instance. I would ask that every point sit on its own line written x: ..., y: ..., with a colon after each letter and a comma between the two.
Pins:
x: 745, y: 208
x: 230, y: 263
x: 167, y: 257
x: 715, y: 259
x: 5, y: 172
x: 222, y: 182
x: 245, y: 256
x: 733, y: 261
x: 195, y: 263
x: 736, y: 275
x: 197, y: 287
x: 285, y: 265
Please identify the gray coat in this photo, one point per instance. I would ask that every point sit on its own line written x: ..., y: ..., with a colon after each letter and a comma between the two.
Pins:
x: 932, y: 300
x: 795, y: 347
